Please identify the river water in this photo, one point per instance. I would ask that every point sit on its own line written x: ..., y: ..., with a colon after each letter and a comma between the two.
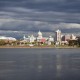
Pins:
x: 39, y: 64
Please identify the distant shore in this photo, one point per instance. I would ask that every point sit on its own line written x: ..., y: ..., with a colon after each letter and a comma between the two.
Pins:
x: 26, y: 47
x: 38, y: 47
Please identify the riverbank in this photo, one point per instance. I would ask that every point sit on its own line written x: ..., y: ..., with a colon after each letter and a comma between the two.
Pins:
x: 26, y: 47
x: 60, y: 47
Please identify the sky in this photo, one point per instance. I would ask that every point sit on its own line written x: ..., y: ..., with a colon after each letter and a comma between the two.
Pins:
x: 19, y: 17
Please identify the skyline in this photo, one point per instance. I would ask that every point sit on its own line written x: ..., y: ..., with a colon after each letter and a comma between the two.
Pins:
x: 18, y: 17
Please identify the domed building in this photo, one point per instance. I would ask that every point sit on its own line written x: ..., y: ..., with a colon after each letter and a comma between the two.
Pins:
x: 40, y: 37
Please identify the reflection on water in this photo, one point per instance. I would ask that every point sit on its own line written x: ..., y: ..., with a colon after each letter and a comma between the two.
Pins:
x: 39, y: 64
x: 58, y: 65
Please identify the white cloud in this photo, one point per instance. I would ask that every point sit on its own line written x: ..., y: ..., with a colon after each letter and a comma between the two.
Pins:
x: 9, y: 20
x: 30, y: 19
x: 15, y: 23
x: 69, y: 25
x: 19, y: 9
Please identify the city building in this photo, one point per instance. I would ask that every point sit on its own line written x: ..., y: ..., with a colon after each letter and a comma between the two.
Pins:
x: 59, y: 39
x: 7, y: 38
x: 58, y: 36
x: 73, y: 37
x: 66, y: 37
x: 29, y: 39
x: 39, y: 37
x: 50, y: 40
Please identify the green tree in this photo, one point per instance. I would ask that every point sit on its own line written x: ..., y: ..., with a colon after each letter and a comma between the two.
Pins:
x: 72, y: 42
x: 2, y: 42
x: 78, y: 41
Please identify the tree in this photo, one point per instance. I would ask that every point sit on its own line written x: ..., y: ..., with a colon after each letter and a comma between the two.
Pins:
x: 2, y: 42
x: 72, y: 42
x: 78, y: 41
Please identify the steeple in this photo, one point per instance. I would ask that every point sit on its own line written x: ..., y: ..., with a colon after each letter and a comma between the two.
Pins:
x: 24, y: 37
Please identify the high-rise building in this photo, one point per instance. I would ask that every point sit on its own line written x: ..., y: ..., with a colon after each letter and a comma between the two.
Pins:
x: 66, y: 37
x: 58, y: 36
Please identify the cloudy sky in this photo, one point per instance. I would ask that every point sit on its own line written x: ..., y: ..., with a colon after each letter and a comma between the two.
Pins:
x: 29, y: 16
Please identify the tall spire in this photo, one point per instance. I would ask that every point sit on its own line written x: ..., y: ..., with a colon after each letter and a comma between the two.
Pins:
x: 24, y: 37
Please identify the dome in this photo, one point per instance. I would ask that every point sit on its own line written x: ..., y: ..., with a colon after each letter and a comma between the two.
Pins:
x: 39, y: 33
x: 50, y: 36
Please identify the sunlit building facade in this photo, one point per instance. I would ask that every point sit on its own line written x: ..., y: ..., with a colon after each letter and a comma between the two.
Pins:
x: 58, y: 36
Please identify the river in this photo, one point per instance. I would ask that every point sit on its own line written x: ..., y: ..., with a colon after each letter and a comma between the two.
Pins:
x: 39, y: 64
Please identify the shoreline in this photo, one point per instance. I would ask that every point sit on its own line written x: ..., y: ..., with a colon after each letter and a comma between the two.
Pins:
x: 38, y: 47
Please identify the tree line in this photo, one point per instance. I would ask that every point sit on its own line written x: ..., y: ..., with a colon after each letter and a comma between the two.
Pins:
x: 15, y: 43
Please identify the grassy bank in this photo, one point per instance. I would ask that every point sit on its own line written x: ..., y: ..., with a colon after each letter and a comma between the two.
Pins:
x: 39, y: 46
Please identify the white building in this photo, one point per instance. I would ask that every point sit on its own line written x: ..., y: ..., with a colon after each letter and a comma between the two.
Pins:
x: 73, y: 37
x: 51, y: 39
x: 58, y: 36
x: 32, y: 39
x: 24, y: 37
x: 7, y: 38
x: 39, y: 37
x: 29, y: 39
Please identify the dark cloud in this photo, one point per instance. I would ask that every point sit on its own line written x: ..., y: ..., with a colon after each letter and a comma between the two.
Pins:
x: 44, y: 15
x: 44, y: 5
